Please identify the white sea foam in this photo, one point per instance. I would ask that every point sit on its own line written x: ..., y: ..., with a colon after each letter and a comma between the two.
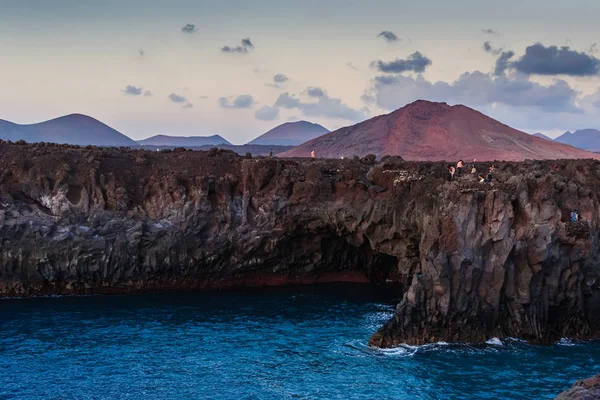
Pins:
x: 566, y: 342
x: 495, y: 342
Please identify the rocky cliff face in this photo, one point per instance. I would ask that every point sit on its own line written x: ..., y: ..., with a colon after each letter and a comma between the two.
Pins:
x: 478, y: 261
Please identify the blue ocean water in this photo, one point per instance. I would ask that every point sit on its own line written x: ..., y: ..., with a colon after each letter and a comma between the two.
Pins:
x: 286, y: 343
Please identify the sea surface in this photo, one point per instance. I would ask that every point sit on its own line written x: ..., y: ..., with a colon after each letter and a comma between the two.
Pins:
x: 286, y: 343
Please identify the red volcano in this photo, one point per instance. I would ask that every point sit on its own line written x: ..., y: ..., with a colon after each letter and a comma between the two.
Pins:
x: 435, y: 131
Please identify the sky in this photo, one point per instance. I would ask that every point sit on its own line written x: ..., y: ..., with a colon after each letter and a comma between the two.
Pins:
x: 238, y: 68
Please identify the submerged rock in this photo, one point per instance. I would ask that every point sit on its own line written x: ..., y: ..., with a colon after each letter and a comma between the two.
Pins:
x: 477, y: 261
x: 586, y: 389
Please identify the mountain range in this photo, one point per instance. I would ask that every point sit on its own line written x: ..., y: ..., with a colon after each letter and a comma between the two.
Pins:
x: 421, y: 130
x: 84, y: 130
x: 424, y: 130
x: 588, y: 139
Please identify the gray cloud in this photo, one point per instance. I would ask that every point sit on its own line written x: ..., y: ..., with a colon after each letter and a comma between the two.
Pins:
x: 315, y: 92
x: 188, y: 105
x: 390, y: 37
x: 415, y: 62
x: 147, y: 93
x: 188, y: 28
x: 177, y: 98
x: 502, y: 63
x: 242, y: 101
x: 267, y: 113
x: 133, y: 90
x: 489, y: 31
x: 476, y: 89
x: 246, y: 45
x: 487, y: 46
x: 280, y: 78
x: 324, y: 107
x: 554, y: 60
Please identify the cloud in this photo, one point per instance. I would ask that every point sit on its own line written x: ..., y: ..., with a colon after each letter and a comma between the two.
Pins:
x: 477, y: 89
x: 133, y: 90
x: 502, y: 63
x: 280, y: 78
x: 147, y: 93
x: 513, y: 99
x: 591, y: 102
x: 242, y: 101
x: 415, y: 62
x: 487, y: 46
x: 188, y: 105
x: 324, y: 107
x: 267, y: 113
x: 541, y: 60
x: 489, y: 31
x: 188, y: 28
x: 315, y: 92
x: 388, y: 36
x: 246, y: 45
x: 177, y: 98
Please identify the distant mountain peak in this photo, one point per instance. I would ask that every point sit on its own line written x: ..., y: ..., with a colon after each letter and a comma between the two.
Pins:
x: 588, y: 139
x: 425, y: 130
x: 291, y: 134
x: 183, y: 141
x: 79, y: 129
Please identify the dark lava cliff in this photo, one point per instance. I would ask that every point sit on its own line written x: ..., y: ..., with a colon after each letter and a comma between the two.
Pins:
x: 477, y: 261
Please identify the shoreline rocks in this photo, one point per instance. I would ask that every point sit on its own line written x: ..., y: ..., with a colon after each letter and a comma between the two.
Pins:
x: 586, y: 389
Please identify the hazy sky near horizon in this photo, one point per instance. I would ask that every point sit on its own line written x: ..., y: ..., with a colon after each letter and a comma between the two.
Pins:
x: 239, y: 68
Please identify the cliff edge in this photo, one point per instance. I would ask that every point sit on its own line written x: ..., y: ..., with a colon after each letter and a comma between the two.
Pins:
x: 477, y: 260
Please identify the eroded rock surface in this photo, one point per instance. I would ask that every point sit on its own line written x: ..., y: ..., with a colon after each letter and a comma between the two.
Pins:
x: 586, y: 389
x: 478, y: 261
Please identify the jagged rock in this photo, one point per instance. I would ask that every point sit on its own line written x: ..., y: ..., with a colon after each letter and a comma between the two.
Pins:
x: 477, y: 260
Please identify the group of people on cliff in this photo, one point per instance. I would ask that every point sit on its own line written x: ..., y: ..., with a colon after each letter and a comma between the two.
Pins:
x: 455, y: 171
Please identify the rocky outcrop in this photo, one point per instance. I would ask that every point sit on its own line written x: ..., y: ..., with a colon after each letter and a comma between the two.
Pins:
x: 477, y: 261
x: 587, y: 389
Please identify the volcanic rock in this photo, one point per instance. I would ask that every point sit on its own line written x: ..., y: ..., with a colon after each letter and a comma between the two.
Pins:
x: 477, y: 261
x: 587, y: 389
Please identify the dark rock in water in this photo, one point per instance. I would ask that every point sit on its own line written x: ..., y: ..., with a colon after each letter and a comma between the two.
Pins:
x: 477, y: 260
x: 586, y: 389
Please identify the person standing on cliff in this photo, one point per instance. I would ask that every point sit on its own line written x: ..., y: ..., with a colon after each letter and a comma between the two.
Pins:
x: 312, y: 154
x: 489, y: 175
x: 271, y: 153
x: 473, y: 169
x: 451, y: 171
x: 459, y: 167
